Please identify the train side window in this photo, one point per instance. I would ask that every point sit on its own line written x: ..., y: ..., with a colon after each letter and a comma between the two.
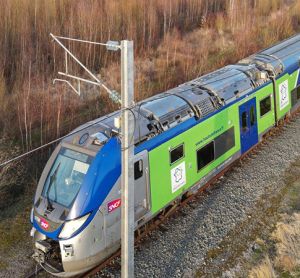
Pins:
x: 224, y: 142
x: 205, y: 155
x: 295, y: 95
x: 176, y: 153
x: 244, y: 121
x: 252, y: 116
x: 138, y: 169
x: 265, y: 106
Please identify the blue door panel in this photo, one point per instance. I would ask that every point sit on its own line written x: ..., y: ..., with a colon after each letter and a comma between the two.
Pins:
x: 248, y: 125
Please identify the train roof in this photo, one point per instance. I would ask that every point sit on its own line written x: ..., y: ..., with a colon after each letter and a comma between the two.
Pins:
x: 279, y: 58
x: 197, y: 98
x: 152, y: 116
x: 228, y: 83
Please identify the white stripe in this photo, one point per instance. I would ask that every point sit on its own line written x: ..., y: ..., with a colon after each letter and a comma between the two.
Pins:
x: 297, y: 78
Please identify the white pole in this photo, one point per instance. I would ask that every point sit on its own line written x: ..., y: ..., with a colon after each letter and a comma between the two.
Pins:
x: 127, y: 179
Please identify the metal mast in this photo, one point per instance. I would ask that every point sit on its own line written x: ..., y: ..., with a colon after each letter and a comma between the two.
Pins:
x: 127, y: 182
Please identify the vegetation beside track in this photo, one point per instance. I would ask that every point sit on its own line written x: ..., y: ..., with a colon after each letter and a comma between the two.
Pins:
x: 16, y: 192
x: 279, y: 254
x: 175, y: 41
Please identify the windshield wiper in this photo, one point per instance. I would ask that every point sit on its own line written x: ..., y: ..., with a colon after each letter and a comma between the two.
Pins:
x: 52, y: 181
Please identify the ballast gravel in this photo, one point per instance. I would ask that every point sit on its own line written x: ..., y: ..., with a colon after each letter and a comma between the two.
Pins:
x: 180, y: 249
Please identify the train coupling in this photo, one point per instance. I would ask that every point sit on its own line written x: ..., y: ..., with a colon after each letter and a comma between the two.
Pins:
x: 41, y: 249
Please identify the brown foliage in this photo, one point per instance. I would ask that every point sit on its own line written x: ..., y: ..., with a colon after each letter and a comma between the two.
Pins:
x: 175, y: 40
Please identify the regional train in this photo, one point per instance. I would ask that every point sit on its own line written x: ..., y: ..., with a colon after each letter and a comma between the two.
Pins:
x: 183, y: 138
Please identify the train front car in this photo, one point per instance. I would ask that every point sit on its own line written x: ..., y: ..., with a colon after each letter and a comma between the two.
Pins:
x: 68, y: 212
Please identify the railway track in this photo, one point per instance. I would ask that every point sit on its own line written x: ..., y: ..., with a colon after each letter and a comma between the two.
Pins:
x: 35, y: 272
x: 159, y: 220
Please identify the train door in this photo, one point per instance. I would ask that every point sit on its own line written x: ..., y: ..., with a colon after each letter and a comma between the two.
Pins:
x: 141, y: 185
x: 248, y: 125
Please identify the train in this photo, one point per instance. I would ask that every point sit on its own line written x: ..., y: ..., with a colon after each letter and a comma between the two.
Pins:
x: 183, y: 138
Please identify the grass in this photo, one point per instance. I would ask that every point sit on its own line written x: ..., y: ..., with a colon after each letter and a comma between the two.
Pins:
x: 14, y: 220
x: 3, y: 265
x: 16, y: 191
x: 292, y: 199
x: 14, y: 228
x: 13, y: 231
x: 264, y: 270
x: 259, y: 250
x: 288, y: 243
x: 285, y: 262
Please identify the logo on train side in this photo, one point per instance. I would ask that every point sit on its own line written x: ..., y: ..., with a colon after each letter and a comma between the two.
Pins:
x: 111, y: 206
x: 178, y: 177
x: 43, y: 222
x: 284, y: 94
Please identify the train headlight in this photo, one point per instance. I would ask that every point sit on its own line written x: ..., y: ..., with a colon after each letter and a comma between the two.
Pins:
x: 31, y: 216
x: 70, y: 227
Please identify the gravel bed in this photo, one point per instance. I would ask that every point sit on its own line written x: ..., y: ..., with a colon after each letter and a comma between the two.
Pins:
x: 180, y: 250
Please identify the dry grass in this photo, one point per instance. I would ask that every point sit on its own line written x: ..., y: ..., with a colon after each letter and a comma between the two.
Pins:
x: 263, y: 270
x: 286, y: 261
x: 287, y: 235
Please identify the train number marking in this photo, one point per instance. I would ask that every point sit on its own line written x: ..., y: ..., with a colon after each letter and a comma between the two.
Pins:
x: 178, y: 177
x: 284, y: 94
x: 111, y: 206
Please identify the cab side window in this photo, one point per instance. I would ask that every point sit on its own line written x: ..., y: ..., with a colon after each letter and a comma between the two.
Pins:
x: 176, y: 153
x: 138, y: 169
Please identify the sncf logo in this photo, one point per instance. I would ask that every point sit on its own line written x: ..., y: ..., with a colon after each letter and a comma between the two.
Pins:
x: 111, y: 206
x: 44, y: 224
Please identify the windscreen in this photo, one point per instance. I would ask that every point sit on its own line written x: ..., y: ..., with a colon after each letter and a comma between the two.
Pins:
x: 66, y: 176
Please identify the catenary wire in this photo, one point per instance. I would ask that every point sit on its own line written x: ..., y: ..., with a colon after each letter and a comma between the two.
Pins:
x: 2, y: 164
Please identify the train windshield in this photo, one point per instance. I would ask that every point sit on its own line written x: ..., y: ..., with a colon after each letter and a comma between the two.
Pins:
x: 66, y: 177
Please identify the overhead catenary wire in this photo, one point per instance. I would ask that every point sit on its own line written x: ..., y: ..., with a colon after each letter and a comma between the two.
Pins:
x: 4, y: 163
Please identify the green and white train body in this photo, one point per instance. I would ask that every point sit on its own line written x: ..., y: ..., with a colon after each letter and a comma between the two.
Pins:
x: 249, y: 92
